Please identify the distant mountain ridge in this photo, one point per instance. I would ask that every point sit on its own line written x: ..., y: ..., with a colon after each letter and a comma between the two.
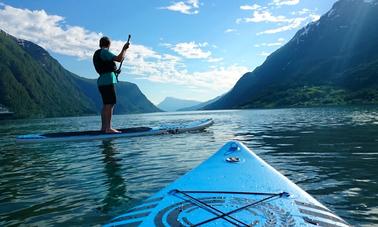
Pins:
x: 174, y: 104
x: 201, y: 105
x: 33, y: 84
x: 333, y: 61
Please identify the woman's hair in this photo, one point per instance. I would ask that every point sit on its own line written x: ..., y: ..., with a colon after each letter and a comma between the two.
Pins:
x: 104, y: 42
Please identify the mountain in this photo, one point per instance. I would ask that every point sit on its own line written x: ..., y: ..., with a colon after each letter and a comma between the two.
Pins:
x: 129, y: 98
x: 333, y: 61
x: 201, y: 105
x: 33, y: 84
x: 174, y: 104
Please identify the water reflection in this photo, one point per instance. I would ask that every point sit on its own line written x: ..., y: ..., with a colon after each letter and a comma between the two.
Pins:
x: 115, y: 183
x: 336, y: 165
x: 330, y: 152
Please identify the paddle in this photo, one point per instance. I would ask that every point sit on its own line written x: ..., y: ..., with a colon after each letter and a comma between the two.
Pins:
x: 118, y: 71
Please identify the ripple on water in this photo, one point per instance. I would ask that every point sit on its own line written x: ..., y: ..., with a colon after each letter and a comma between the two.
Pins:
x: 330, y: 152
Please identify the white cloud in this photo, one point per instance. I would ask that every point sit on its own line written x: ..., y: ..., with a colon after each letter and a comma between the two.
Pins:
x: 279, y: 42
x: 187, y: 7
x: 217, y: 79
x: 314, y: 17
x: 194, y: 3
x: 229, y: 30
x: 213, y: 60
x: 301, y: 12
x: 264, y: 54
x: 52, y: 33
x: 144, y: 63
x: 49, y: 31
x: 294, y: 23
x: 307, y: 12
x: 263, y: 16
x: 190, y: 50
x: 285, y: 2
x: 250, y: 7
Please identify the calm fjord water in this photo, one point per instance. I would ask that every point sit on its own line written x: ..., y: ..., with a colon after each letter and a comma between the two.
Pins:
x: 332, y: 153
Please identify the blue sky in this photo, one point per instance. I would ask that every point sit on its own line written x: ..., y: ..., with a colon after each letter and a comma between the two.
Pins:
x: 190, y: 49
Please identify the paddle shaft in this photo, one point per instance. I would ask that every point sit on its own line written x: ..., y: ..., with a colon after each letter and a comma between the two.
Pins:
x: 120, y: 65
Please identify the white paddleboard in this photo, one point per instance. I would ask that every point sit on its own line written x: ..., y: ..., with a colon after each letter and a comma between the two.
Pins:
x: 234, y: 187
x: 127, y: 132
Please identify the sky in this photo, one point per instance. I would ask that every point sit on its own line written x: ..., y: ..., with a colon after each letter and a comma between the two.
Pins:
x: 188, y: 49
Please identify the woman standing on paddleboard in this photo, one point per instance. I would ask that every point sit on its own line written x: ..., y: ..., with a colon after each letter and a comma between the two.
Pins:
x: 104, y: 63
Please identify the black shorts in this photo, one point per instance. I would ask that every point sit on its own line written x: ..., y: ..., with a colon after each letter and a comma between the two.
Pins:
x: 108, y: 94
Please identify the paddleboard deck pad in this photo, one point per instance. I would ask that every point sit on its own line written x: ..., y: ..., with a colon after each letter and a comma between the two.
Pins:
x: 234, y: 187
x: 126, y: 132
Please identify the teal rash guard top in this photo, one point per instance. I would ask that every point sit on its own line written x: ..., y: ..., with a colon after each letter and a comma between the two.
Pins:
x: 109, y: 77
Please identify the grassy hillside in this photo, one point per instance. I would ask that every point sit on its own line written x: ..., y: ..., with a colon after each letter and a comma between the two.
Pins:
x: 33, y: 84
x: 333, y: 61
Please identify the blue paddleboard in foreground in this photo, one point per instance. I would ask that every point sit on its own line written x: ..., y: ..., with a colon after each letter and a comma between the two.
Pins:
x: 234, y: 187
x: 126, y: 132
